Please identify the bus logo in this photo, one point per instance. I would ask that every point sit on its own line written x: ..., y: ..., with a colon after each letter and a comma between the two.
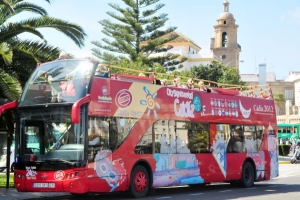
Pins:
x: 59, y: 175
x: 245, y: 113
x: 104, y: 90
x: 123, y: 98
x: 197, y: 103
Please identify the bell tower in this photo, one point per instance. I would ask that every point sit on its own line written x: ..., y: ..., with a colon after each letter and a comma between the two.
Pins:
x: 224, y: 42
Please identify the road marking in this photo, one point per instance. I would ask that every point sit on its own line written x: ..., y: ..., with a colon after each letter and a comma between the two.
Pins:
x: 179, y: 186
x: 286, y: 176
x: 273, y: 186
x: 226, y: 191
x: 163, y: 198
x: 197, y: 194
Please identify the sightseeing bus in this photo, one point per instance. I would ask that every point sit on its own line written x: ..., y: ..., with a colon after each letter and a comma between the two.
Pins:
x: 286, y: 131
x: 121, y: 132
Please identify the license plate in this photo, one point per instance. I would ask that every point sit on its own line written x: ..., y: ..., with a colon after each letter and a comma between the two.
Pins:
x: 44, y: 185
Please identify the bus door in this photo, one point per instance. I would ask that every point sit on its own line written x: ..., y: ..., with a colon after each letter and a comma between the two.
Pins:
x: 222, y: 142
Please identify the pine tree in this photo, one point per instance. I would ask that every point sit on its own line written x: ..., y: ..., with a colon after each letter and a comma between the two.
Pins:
x: 136, y: 35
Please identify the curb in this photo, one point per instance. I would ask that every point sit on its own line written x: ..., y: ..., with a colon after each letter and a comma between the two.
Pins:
x: 284, y: 162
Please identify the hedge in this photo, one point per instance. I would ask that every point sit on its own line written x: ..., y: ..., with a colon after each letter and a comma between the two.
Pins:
x: 284, y: 149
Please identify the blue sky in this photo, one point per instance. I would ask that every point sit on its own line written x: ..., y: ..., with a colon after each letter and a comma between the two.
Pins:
x: 269, y: 30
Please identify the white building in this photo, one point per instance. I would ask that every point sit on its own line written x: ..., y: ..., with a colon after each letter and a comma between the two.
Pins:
x: 185, y: 47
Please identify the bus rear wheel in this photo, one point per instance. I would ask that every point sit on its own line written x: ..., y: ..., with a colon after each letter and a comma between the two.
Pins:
x: 139, y: 182
x: 247, y: 175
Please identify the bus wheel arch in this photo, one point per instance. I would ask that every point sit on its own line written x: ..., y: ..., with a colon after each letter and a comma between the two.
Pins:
x: 248, y: 174
x: 140, y: 179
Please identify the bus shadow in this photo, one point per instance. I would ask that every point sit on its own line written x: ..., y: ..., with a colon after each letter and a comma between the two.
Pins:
x: 213, y: 191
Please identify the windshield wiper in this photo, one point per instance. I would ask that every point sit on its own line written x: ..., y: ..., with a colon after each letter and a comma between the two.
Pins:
x: 55, y: 160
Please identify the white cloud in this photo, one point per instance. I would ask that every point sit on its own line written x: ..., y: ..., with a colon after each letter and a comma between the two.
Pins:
x: 292, y: 15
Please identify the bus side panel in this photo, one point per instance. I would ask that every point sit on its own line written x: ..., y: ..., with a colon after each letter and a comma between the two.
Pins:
x: 111, y: 170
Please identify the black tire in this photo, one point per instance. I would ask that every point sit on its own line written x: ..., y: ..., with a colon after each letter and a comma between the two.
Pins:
x: 247, y: 179
x: 139, y: 182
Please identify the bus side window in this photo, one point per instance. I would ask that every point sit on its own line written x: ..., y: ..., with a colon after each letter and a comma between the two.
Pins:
x: 198, y: 138
x: 237, y: 140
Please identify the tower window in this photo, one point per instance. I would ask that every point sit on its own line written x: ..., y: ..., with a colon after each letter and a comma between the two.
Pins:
x: 224, y: 39
x: 224, y: 22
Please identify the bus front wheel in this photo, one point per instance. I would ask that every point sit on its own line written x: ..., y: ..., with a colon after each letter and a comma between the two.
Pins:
x: 139, y: 182
x: 247, y: 175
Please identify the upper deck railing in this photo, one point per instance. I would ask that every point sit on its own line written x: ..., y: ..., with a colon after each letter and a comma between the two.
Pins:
x: 168, y: 80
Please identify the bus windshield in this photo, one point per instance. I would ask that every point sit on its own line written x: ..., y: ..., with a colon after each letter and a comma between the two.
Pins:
x: 62, y: 81
x: 47, y: 134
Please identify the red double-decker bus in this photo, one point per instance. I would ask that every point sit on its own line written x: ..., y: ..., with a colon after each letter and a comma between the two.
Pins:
x: 78, y: 132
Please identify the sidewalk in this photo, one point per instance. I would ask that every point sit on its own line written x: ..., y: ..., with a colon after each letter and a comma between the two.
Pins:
x: 285, y: 159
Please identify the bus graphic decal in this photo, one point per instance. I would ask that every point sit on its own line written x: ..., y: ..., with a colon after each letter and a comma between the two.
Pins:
x: 273, y: 152
x: 175, y: 169
x: 258, y: 157
x: 150, y: 102
x: 199, y: 107
x: 219, y: 152
x: 113, y: 172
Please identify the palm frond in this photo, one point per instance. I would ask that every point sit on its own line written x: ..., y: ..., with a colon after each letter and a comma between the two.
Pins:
x: 6, y: 53
x: 15, y: 29
x: 6, y: 4
x: 73, y: 31
x: 9, y: 87
x: 37, y: 50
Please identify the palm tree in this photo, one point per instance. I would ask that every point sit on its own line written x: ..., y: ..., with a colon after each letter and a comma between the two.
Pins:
x: 18, y: 56
x: 10, y: 90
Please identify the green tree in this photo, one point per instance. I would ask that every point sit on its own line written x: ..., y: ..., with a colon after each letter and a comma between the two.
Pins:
x: 136, y: 35
x: 230, y: 76
x: 278, y: 97
x: 214, y: 72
